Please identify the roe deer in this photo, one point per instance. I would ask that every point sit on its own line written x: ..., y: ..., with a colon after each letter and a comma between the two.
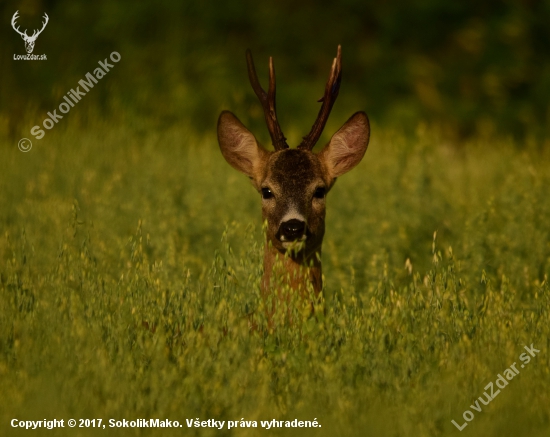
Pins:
x: 293, y: 183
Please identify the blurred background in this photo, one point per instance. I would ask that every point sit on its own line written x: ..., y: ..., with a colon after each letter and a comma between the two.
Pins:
x: 468, y: 67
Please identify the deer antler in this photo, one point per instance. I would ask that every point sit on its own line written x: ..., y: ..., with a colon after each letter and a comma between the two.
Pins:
x: 331, y: 92
x: 268, y: 101
x: 13, y: 20
x: 44, y: 23
x: 35, y: 32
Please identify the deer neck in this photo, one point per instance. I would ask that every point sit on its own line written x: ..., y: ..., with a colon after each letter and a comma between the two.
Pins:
x: 300, y: 273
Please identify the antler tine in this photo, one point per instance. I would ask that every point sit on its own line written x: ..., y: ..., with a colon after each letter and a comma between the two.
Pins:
x: 331, y: 92
x: 268, y: 101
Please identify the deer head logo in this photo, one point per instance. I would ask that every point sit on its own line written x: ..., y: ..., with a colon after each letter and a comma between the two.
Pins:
x: 29, y: 40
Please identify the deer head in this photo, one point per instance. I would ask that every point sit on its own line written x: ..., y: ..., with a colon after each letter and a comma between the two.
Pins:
x: 29, y: 40
x: 294, y: 183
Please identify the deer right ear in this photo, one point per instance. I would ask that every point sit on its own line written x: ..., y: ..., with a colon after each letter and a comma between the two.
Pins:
x: 347, y: 146
x: 239, y: 147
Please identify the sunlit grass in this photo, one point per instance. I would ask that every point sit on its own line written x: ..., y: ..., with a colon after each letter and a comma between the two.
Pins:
x: 130, y: 263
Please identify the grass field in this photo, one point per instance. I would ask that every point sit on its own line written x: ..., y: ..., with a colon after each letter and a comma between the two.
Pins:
x: 130, y: 258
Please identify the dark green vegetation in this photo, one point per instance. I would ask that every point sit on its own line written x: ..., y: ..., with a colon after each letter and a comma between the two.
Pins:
x: 469, y: 66
x: 129, y: 262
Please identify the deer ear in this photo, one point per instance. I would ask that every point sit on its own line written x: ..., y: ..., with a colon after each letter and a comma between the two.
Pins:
x: 239, y: 147
x: 347, y: 146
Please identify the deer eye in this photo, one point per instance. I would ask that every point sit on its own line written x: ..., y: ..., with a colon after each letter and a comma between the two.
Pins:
x: 320, y: 193
x: 266, y: 193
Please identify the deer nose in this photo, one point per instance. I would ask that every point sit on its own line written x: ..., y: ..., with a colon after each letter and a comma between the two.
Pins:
x: 292, y: 230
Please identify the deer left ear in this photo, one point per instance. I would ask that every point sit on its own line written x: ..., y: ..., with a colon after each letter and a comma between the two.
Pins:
x: 239, y: 147
x: 347, y: 146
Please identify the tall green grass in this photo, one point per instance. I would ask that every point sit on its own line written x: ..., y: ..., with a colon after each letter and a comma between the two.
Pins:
x: 129, y: 271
